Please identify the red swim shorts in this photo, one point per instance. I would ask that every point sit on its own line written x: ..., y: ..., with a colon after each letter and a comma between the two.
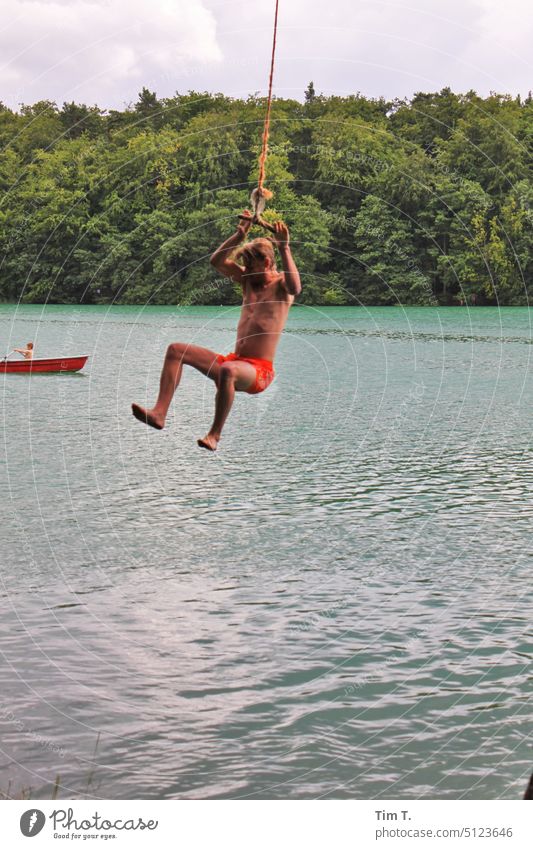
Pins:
x: 264, y: 371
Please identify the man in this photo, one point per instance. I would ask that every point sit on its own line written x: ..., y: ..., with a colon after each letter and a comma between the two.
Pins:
x: 267, y: 295
x: 26, y: 352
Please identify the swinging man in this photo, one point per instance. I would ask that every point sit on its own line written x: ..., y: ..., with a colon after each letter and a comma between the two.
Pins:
x: 267, y: 295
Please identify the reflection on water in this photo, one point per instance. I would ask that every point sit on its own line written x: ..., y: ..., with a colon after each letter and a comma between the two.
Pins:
x: 337, y: 604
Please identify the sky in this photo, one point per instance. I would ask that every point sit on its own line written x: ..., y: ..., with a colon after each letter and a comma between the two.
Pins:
x: 104, y: 51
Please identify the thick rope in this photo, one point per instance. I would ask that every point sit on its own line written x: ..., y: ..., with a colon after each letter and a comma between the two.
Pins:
x: 266, y: 128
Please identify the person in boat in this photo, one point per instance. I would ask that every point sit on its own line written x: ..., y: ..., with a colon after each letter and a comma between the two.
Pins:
x: 26, y: 352
x: 267, y: 295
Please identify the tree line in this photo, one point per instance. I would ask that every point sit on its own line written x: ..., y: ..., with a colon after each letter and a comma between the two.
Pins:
x: 421, y: 201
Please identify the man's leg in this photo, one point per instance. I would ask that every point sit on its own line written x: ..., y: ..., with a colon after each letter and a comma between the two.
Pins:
x: 178, y: 354
x: 232, y: 377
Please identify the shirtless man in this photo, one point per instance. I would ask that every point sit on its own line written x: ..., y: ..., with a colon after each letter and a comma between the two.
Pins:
x: 267, y: 295
x: 26, y: 352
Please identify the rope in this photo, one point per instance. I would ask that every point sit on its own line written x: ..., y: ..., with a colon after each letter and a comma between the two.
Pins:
x: 266, y: 128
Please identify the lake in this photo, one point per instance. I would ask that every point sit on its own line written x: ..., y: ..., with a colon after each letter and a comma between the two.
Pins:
x: 337, y: 604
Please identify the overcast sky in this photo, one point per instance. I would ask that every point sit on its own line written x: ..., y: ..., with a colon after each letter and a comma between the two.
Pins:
x: 104, y: 51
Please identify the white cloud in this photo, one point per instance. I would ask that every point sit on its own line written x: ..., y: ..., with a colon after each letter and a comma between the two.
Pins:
x: 389, y: 47
x: 104, y: 50
x: 504, y: 43
x: 98, y: 51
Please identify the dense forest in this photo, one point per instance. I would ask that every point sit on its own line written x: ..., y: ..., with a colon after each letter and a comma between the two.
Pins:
x: 421, y: 201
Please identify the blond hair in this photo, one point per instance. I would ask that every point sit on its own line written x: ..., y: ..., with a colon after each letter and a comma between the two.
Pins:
x: 257, y: 249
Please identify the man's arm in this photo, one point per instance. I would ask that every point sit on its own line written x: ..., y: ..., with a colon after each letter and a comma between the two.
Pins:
x: 291, y: 276
x: 220, y: 259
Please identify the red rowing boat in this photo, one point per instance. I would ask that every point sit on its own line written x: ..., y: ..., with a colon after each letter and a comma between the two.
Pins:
x: 61, y: 364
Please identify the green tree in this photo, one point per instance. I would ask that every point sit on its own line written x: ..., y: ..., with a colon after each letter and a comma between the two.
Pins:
x: 310, y: 93
x: 406, y: 202
x: 453, y: 225
x: 40, y: 129
x: 385, y: 246
x: 427, y: 119
x: 76, y: 119
x: 484, y: 146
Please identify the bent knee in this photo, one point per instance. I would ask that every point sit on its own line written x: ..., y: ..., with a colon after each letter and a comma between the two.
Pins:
x: 175, y: 350
x: 226, y: 373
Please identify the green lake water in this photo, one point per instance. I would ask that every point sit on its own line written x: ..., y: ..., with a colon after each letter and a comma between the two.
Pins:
x: 335, y: 605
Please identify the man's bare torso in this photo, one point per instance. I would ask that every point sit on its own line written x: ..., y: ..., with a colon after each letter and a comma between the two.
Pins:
x: 263, y: 317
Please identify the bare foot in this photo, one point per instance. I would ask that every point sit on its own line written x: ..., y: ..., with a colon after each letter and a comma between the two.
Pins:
x: 210, y: 442
x: 147, y: 417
